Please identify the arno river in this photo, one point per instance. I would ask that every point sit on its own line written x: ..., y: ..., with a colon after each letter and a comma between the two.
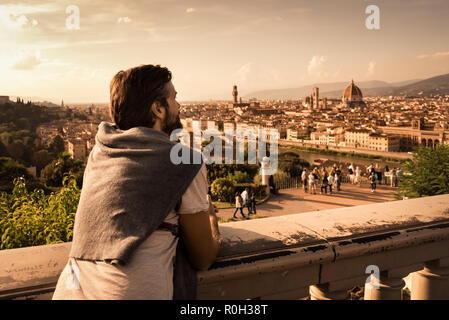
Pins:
x: 312, y: 156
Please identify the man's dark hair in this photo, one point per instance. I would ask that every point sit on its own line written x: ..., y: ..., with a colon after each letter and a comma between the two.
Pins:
x: 133, y: 92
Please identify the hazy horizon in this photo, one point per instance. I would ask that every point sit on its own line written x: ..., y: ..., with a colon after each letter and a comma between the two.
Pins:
x: 211, y: 45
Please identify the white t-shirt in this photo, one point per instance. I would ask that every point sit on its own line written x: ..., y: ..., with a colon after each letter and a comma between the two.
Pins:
x: 148, y: 275
x: 244, y: 196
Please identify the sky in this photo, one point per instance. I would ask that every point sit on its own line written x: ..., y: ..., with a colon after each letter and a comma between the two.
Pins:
x: 210, y: 45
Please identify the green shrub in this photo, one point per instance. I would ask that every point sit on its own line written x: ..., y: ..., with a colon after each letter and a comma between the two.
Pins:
x: 239, y: 177
x: 222, y: 189
x: 32, y: 218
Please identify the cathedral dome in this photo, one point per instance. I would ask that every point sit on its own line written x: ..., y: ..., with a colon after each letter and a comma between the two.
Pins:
x: 352, y: 93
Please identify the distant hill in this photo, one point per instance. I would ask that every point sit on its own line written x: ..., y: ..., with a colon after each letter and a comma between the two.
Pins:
x: 416, y: 87
x: 431, y: 86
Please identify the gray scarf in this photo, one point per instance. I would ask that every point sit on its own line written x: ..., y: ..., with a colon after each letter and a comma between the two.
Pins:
x: 130, y: 185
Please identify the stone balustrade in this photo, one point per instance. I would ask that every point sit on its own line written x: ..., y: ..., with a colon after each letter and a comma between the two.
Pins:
x: 321, y: 254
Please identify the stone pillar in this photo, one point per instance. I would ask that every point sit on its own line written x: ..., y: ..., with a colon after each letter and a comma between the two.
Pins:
x: 386, y: 289
x: 431, y: 283
x: 321, y: 292
x: 265, y: 164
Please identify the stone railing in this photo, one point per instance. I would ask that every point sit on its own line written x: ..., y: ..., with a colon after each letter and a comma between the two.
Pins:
x: 320, y: 254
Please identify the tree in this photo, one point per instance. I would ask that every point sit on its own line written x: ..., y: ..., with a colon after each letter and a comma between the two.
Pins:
x: 40, y: 159
x: 57, y: 145
x: 16, y: 150
x: 54, y: 172
x: 3, y: 151
x: 292, y: 164
x: 427, y: 174
x: 9, y: 170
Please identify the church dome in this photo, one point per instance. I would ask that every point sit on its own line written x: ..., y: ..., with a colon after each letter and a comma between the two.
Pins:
x: 352, y: 93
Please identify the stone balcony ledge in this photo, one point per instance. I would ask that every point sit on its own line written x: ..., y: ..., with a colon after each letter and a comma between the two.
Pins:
x: 321, y: 253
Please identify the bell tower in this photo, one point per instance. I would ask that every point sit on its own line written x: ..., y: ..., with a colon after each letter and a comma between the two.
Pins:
x: 235, y: 94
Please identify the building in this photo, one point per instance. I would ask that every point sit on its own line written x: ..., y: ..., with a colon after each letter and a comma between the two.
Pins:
x: 77, y: 149
x: 352, y: 98
x: 239, y: 105
x: 368, y: 140
x: 4, y: 99
x: 316, y: 98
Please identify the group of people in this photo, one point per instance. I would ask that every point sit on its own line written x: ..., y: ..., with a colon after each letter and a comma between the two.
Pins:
x: 310, y: 180
x: 245, y: 200
x: 394, y: 175
x: 314, y: 178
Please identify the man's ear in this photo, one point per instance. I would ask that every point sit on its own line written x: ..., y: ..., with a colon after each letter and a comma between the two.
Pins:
x: 158, y: 110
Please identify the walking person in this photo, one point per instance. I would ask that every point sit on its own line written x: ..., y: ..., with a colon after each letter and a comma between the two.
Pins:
x: 330, y: 181
x: 238, y: 205
x: 372, y: 179
x: 351, y: 173
x: 394, y: 178
x: 252, y: 200
x: 324, y: 181
x: 312, y: 183
x: 386, y: 173
x: 304, y: 175
x: 338, y: 178
x: 358, y: 176
x: 245, y: 198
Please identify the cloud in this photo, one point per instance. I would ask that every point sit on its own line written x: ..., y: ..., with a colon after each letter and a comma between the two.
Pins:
x: 124, y: 20
x: 27, y: 61
x: 16, y: 21
x: 371, y: 68
x: 190, y: 10
x: 251, y: 75
x: 434, y: 55
x: 317, y: 67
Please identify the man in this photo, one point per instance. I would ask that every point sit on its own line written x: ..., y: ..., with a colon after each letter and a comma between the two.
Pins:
x: 304, y: 176
x: 245, y: 198
x: 338, y: 177
x: 372, y: 179
x: 126, y: 243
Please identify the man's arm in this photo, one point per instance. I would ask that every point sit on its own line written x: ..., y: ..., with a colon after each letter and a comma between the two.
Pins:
x: 201, y: 236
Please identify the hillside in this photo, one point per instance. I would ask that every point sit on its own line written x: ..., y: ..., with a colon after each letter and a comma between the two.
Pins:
x: 427, y: 87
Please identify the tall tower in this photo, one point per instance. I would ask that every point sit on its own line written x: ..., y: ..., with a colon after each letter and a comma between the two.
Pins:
x: 316, y: 98
x: 235, y: 94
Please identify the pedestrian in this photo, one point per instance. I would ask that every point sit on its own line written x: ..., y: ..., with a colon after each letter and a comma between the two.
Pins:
x: 338, y: 178
x: 394, y: 178
x: 245, y: 198
x: 351, y: 173
x: 304, y: 179
x: 238, y: 205
x: 312, y: 183
x: 252, y: 200
x: 330, y: 180
x: 324, y: 181
x: 372, y: 179
x: 358, y: 176
x: 379, y: 177
x: 386, y: 174
x: 272, y: 185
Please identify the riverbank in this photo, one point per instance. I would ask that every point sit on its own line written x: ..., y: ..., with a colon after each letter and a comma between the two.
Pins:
x: 364, y: 154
